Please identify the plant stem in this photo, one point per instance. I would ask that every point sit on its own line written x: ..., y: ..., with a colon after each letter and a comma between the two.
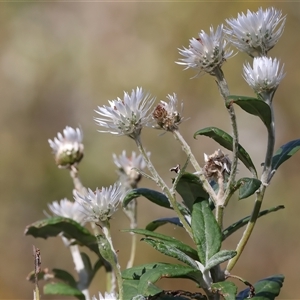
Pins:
x: 186, y: 148
x: 76, y: 181
x: 260, y: 195
x: 159, y: 181
x: 224, y: 90
x: 79, y: 267
x: 114, y: 262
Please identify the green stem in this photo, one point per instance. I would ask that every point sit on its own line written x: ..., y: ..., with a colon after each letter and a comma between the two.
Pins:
x: 224, y: 90
x: 114, y: 262
x: 159, y: 181
x: 186, y: 148
x: 259, y: 197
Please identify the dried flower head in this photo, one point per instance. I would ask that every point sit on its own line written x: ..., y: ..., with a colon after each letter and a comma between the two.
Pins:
x: 107, y: 296
x: 100, y: 205
x: 256, y: 33
x: 216, y: 164
x: 68, y: 147
x: 128, y: 167
x: 68, y: 209
x: 166, y: 114
x: 264, y: 77
x: 126, y: 116
x: 207, y: 52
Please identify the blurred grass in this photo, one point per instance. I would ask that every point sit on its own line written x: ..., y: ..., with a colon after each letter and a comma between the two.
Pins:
x: 59, y: 60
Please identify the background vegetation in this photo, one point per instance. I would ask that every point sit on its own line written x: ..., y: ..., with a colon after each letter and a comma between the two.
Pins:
x: 59, y: 60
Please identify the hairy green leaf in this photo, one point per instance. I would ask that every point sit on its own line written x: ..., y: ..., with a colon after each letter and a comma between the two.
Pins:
x: 65, y: 276
x: 160, y: 222
x: 169, y: 250
x: 284, y: 153
x: 152, y: 195
x: 70, y: 229
x: 172, y: 241
x: 206, y: 231
x: 248, y: 186
x: 253, y: 106
x: 62, y: 289
x: 225, y: 288
x: 239, y: 224
x: 265, y: 289
x: 219, y: 258
x: 167, y: 271
x: 130, y: 289
x: 190, y: 189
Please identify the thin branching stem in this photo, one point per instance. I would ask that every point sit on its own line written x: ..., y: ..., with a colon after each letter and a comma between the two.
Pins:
x: 266, y: 175
x: 160, y: 182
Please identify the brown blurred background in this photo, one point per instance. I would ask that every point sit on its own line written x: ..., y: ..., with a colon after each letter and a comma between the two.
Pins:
x: 58, y: 61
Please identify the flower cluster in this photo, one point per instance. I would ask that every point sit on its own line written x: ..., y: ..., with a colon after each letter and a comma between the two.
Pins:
x: 256, y: 33
x: 68, y: 147
x: 101, y: 204
x: 207, y: 52
x: 166, y: 114
x: 68, y: 209
x: 216, y: 164
x: 126, y: 116
x: 265, y: 75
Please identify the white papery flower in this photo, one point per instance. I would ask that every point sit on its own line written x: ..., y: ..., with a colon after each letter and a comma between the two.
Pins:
x: 68, y: 209
x: 126, y: 164
x: 68, y: 147
x: 126, y: 116
x: 107, y: 296
x: 265, y: 75
x: 128, y: 167
x: 256, y: 33
x: 167, y: 115
x: 206, y: 52
x: 101, y: 204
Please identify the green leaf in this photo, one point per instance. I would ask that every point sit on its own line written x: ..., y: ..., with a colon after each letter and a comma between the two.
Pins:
x: 253, y: 106
x: 160, y: 222
x: 169, y: 250
x: 130, y: 289
x: 219, y: 258
x: 225, y: 288
x: 248, y: 186
x: 60, y: 288
x: 152, y: 195
x: 265, y: 289
x: 137, y: 271
x: 190, y: 189
x: 226, y: 141
x: 171, y: 241
x: 52, y: 227
x: 284, y: 153
x: 65, y: 276
x: 206, y: 231
x: 239, y: 224
x: 167, y: 271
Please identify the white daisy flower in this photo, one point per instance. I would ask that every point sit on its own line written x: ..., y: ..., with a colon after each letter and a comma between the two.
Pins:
x: 100, y: 205
x: 68, y: 209
x: 206, y: 52
x: 67, y: 147
x: 126, y: 116
x: 167, y: 115
x: 256, y: 33
x: 265, y: 75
